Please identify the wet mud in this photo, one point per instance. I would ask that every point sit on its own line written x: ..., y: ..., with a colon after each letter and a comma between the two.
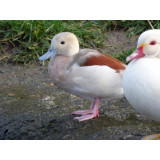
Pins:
x: 31, y: 107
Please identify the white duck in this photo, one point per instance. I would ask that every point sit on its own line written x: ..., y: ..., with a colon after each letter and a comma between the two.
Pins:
x: 86, y: 73
x: 141, y: 79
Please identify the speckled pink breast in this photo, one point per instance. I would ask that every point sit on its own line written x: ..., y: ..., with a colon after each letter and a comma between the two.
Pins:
x: 57, y: 68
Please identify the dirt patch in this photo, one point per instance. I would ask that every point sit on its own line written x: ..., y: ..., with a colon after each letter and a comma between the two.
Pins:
x: 118, y: 41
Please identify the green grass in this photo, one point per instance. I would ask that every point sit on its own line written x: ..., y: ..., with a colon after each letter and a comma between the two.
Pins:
x: 31, y: 39
x: 122, y: 56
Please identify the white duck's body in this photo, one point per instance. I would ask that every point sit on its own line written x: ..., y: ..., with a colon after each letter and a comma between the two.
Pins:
x: 141, y: 79
x: 141, y: 84
x: 87, y: 82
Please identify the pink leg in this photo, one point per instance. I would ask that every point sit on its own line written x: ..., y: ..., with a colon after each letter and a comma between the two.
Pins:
x: 85, y: 112
x: 91, y: 113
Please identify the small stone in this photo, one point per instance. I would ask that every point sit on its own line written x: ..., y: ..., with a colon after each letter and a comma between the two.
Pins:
x: 52, y: 98
x: 36, y: 95
x: 72, y: 96
x: 11, y: 94
x: 51, y: 102
x: 128, y: 136
x: 52, y: 84
x: 48, y: 107
x: 46, y: 98
x: 112, y: 106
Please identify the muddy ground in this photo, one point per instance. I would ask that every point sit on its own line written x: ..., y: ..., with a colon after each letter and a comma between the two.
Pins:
x: 31, y: 107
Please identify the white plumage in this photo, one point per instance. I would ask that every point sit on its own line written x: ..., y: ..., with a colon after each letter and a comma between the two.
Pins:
x: 87, y: 82
x: 141, y: 79
x: 141, y: 84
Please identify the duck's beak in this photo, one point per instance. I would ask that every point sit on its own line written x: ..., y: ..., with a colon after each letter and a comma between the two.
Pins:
x: 137, y: 53
x: 51, y: 52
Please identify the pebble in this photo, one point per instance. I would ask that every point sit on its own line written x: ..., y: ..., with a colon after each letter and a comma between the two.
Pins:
x: 48, y: 98
x: 11, y: 94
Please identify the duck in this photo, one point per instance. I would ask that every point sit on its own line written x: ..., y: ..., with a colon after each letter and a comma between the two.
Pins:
x: 86, y: 73
x: 141, y: 78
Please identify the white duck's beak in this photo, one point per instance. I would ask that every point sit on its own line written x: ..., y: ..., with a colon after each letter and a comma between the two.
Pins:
x: 51, y: 52
x: 137, y: 53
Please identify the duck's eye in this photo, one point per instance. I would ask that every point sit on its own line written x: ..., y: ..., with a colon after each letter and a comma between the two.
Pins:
x: 63, y: 42
x: 152, y: 43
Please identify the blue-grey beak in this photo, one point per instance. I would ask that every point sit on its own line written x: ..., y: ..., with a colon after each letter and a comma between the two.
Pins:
x: 51, y: 52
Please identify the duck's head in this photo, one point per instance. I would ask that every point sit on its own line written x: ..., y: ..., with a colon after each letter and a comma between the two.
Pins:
x: 64, y: 43
x: 148, y: 45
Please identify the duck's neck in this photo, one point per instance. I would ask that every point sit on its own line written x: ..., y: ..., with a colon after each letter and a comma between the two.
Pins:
x: 58, y: 67
x: 60, y: 61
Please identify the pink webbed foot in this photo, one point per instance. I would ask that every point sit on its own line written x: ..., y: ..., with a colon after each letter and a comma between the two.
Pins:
x: 88, y: 114
x: 82, y: 112
x: 86, y: 117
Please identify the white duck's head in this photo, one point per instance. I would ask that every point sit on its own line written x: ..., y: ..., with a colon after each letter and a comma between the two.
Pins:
x: 64, y: 43
x: 148, y: 45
